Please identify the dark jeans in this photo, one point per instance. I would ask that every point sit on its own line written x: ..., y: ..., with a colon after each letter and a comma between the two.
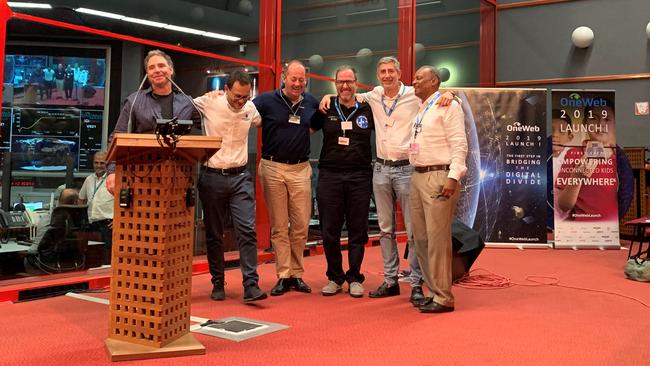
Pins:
x: 344, y: 196
x: 218, y: 193
x: 106, y: 233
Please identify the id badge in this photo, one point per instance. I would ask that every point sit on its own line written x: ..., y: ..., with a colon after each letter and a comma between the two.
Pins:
x: 414, y: 148
x: 344, y: 141
x: 294, y: 119
x: 346, y: 125
x: 390, y: 123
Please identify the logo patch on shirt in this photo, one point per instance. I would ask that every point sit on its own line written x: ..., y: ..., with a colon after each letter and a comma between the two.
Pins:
x: 333, y: 118
x: 362, y: 122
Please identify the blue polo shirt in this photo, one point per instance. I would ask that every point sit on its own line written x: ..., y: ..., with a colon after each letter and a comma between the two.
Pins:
x: 280, y: 138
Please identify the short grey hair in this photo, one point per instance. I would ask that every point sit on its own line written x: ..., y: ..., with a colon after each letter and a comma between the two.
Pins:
x: 160, y: 53
x: 433, y: 71
x: 388, y: 60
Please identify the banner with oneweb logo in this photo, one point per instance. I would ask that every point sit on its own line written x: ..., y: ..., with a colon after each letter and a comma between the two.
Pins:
x: 504, y: 192
x: 585, y: 179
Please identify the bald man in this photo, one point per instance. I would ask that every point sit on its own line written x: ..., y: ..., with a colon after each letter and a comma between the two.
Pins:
x: 286, y: 174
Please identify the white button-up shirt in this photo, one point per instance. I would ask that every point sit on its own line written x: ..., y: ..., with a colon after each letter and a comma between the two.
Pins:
x: 232, y: 126
x: 393, y: 132
x: 441, y: 140
x: 100, y: 201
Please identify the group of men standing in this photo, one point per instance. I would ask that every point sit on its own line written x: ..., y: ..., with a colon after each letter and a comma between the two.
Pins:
x: 421, y: 148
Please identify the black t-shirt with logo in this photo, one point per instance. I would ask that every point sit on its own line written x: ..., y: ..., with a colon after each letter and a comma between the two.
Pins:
x: 358, y: 154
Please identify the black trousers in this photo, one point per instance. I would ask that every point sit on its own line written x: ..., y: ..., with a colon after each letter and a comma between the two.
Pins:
x: 218, y: 193
x: 105, y: 230
x: 344, y: 197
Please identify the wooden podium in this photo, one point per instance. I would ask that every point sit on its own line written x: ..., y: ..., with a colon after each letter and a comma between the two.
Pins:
x: 151, y: 283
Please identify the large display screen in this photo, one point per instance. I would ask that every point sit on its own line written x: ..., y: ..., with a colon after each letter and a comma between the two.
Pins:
x: 53, y: 106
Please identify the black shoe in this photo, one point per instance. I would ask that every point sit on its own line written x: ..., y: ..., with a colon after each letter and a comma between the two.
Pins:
x: 281, y: 287
x: 434, y: 307
x: 218, y: 293
x: 385, y: 290
x: 425, y: 301
x: 253, y: 293
x: 300, y: 285
x: 417, y: 296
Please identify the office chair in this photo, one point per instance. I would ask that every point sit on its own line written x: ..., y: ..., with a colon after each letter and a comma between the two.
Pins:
x: 64, y: 244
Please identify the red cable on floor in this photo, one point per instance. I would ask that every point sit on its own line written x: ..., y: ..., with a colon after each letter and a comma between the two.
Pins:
x: 493, y: 281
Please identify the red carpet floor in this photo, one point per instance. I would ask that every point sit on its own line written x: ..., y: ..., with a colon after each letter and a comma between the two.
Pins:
x: 521, y: 325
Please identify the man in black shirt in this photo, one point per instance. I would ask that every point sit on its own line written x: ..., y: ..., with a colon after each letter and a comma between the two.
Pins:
x: 161, y: 100
x: 345, y: 182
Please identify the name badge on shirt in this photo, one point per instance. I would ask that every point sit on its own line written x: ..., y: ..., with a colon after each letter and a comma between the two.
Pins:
x: 294, y: 119
x: 344, y: 141
x: 346, y: 125
x: 414, y: 148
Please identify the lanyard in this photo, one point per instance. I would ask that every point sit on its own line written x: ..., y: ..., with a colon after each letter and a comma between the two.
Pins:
x: 392, y: 108
x: 99, y: 185
x: 288, y: 106
x: 418, y: 119
x: 341, y: 115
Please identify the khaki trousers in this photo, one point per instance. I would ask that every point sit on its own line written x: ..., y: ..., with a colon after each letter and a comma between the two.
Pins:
x: 431, y: 218
x: 287, y: 191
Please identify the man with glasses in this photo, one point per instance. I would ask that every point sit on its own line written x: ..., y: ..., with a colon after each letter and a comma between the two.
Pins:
x: 286, y: 174
x: 394, y: 106
x: 345, y: 182
x: 225, y: 183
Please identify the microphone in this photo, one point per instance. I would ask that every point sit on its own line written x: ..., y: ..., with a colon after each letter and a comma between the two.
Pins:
x: 129, y: 124
x: 193, y: 104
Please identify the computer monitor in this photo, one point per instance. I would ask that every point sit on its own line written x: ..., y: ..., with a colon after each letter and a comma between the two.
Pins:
x: 33, y: 206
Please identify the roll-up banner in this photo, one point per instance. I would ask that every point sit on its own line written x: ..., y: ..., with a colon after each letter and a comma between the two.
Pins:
x: 504, y: 191
x: 585, y: 180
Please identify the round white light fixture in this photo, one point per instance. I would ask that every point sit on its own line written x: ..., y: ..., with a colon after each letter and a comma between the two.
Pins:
x: 444, y: 74
x: 364, y: 56
x: 419, y: 51
x: 582, y: 37
x: 245, y: 6
x: 315, y: 61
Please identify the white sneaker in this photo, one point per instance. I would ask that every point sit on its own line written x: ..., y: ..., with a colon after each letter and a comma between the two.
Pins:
x: 356, y: 289
x: 331, y: 289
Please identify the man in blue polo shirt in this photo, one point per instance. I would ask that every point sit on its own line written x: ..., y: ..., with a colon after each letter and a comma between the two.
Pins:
x: 286, y: 174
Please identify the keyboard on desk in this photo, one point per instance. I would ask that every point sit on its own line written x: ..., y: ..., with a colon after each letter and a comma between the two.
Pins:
x: 25, y: 243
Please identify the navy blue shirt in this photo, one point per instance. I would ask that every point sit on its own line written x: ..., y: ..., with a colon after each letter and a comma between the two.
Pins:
x: 357, y: 155
x: 281, y: 139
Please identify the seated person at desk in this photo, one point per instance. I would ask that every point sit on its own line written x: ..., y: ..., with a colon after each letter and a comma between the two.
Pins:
x: 57, y: 250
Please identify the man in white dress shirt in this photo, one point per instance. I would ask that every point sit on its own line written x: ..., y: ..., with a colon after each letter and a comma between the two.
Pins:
x: 100, y: 203
x: 226, y: 183
x: 437, y: 152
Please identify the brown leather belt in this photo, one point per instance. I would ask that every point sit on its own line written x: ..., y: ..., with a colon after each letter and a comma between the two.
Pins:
x: 430, y: 168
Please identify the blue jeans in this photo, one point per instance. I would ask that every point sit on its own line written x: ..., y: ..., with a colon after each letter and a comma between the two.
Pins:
x: 392, y: 184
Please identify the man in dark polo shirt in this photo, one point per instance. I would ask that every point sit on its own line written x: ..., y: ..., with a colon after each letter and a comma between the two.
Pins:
x: 345, y: 182
x: 285, y: 172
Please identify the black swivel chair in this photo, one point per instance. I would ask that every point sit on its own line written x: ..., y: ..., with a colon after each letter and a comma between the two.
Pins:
x: 63, y: 246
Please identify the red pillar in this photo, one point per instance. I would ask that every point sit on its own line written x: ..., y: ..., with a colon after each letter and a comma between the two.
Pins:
x: 269, y: 54
x: 406, y: 39
x: 5, y: 15
x: 406, y: 56
x: 487, y: 60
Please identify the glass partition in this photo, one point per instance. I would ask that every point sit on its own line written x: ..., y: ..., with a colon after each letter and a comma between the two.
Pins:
x: 52, y: 125
x: 448, y: 38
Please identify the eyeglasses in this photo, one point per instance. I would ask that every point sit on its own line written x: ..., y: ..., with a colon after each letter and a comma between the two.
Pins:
x: 243, y: 98
x: 349, y: 82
